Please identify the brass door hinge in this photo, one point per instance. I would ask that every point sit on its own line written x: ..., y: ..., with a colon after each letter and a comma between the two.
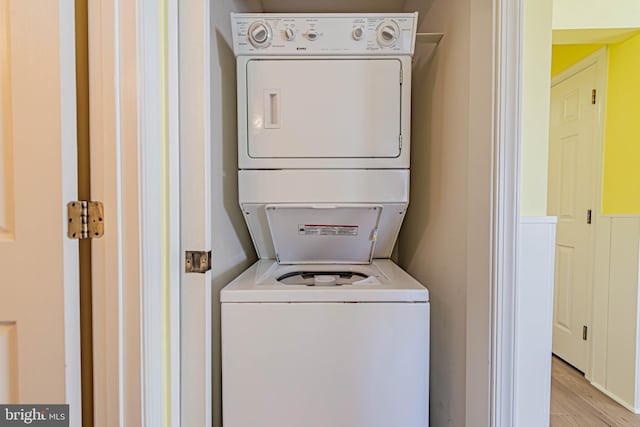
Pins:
x: 584, y: 333
x: 197, y: 261
x: 588, y: 216
x: 593, y: 96
x: 85, y: 220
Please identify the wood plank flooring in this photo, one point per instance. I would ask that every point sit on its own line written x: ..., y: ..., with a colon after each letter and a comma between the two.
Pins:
x: 576, y: 403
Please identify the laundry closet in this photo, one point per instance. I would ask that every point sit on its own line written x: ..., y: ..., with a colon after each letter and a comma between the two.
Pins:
x: 449, y: 203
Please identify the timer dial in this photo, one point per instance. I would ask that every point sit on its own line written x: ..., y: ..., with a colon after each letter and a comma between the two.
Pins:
x: 388, y: 33
x: 260, y: 34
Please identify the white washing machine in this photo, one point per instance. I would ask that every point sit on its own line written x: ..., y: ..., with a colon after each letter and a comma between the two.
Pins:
x: 324, y: 330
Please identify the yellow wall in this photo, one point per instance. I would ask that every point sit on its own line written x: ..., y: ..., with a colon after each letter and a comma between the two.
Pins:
x: 565, y: 55
x: 621, y: 182
x: 621, y: 190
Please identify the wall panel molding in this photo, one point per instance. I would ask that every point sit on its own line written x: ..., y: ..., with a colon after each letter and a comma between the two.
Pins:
x: 6, y: 141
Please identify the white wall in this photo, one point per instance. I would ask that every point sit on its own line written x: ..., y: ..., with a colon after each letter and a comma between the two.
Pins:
x: 591, y: 14
x: 534, y: 322
x: 444, y: 242
x: 616, y: 332
x: 535, y: 106
x: 232, y: 249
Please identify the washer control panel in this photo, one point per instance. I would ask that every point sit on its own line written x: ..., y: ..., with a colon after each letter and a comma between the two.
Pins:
x: 323, y: 34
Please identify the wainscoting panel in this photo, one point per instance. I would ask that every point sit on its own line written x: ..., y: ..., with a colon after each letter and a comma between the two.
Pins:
x: 615, y: 346
x: 534, y: 299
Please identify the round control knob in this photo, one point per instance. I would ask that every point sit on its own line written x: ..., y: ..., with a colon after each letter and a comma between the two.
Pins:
x: 260, y: 34
x: 289, y: 34
x: 357, y: 33
x: 388, y: 33
x: 312, y: 35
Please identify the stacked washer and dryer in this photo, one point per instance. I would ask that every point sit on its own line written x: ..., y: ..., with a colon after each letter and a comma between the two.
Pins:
x: 324, y: 330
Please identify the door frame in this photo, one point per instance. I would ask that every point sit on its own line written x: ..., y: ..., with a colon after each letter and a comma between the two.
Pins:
x: 134, y: 166
x: 495, y: 318
x: 599, y: 59
x: 492, y: 315
x: 505, y: 170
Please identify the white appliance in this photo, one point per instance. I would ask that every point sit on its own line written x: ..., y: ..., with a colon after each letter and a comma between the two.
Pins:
x: 324, y: 330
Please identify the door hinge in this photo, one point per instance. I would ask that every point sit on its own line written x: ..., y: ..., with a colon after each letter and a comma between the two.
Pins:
x: 584, y: 333
x: 85, y: 219
x: 400, y: 143
x: 588, y: 216
x: 197, y: 261
x: 401, y: 78
x: 593, y: 96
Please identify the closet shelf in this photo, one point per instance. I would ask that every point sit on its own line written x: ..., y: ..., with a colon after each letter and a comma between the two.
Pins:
x: 431, y: 38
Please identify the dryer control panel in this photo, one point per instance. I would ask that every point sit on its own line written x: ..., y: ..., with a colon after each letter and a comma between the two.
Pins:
x: 323, y: 34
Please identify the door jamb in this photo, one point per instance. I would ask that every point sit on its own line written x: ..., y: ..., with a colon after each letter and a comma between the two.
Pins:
x: 131, y: 46
x: 505, y: 170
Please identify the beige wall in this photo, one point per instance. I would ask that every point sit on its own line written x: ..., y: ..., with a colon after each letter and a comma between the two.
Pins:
x: 231, y: 244
x: 444, y: 242
x: 535, y: 106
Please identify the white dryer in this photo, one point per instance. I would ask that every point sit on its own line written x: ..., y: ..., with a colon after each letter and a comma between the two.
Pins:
x: 324, y: 330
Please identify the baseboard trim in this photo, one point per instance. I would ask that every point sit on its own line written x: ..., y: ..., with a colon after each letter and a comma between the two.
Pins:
x: 616, y: 398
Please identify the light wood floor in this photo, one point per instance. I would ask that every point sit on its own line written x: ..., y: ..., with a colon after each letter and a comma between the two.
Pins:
x: 575, y: 402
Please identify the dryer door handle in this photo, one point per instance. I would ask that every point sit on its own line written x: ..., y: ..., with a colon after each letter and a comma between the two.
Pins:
x: 273, y: 112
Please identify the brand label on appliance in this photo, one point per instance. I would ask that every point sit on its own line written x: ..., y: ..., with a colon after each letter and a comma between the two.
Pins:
x: 327, y: 230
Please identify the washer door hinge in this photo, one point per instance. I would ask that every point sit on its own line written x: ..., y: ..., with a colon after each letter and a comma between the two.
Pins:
x: 197, y: 261
x: 85, y: 219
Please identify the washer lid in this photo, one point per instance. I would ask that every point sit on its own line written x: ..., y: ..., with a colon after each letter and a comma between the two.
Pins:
x: 323, y: 233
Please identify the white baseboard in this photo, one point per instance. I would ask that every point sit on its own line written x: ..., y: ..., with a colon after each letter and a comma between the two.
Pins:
x: 616, y: 398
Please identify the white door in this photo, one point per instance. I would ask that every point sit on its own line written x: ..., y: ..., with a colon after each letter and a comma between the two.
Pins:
x: 324, y: 108
x: 571, y: 197
x: 39, y: 310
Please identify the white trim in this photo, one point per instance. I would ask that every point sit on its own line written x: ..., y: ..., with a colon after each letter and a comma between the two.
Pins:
x: 506, y: 207
x: 128, y: 372
x: 636, y: 400
x: 597, y: 59
x: 195, y: 38
x: 175, y: 267
x: 613, y: 396
x: 69, y: 188
x: 150, y: 133
x: 196, y: 371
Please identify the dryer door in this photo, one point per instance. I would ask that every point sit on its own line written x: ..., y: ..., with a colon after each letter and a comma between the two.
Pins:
x: 324, y: 108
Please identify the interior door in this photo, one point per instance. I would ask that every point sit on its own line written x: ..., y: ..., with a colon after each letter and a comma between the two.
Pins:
x: 324, y: 108
x: 39, y: 323
x: 571, y: 197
